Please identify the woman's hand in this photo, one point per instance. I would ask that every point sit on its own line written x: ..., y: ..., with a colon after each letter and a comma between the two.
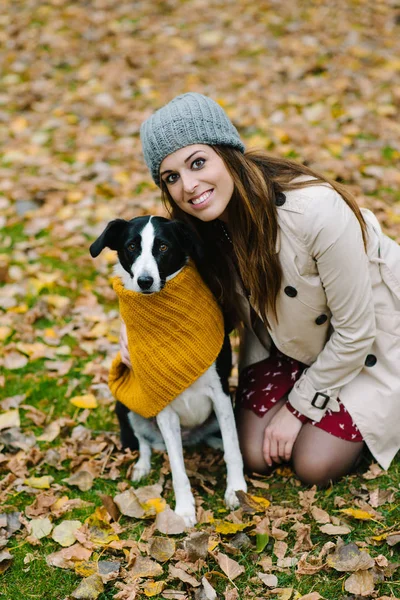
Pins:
x: 123, y: 343
x: 280, y: 436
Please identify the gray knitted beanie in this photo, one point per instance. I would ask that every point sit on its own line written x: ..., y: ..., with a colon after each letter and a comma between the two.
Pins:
x: 188, y: 119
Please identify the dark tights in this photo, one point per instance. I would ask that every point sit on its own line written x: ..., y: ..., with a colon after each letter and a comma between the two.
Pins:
x: 317, y: 458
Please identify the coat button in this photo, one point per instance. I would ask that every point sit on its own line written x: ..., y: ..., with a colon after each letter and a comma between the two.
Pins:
x: 290, y: 291
x: 321, y: 319
x: 370, y: 361
x: 280, y: 199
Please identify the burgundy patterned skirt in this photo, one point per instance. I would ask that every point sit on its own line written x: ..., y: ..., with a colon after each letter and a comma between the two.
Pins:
x: 263, y: 384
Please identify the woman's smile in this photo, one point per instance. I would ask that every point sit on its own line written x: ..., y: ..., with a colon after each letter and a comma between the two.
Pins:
x: 203, y: 199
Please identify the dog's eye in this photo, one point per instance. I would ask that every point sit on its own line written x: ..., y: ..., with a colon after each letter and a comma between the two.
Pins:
x: 163, y: 248
x: 131, y: 247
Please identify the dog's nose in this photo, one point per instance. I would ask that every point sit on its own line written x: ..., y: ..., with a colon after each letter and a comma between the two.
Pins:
x: 145, y: 282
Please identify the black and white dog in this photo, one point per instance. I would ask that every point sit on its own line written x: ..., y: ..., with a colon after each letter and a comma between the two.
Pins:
x: 152, y: 250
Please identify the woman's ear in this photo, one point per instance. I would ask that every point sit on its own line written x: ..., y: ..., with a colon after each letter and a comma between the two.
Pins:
x: 110, y: 238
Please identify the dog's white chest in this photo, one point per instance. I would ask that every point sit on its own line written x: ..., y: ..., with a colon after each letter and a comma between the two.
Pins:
x: 194, y: 405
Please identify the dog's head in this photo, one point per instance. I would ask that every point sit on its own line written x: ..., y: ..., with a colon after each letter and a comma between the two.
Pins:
x: 150, y: 250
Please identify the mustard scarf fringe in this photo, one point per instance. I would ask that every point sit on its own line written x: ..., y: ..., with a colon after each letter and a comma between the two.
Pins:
x: 174, y: 336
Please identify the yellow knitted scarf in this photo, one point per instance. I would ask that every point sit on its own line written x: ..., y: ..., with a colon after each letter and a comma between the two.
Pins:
x: 174, y: 336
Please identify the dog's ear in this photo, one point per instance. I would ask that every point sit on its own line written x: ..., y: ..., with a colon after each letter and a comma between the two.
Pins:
x: 109, y: 237
x: 189, y: 240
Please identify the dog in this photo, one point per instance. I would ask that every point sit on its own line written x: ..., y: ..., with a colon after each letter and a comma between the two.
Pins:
x: 151, y: 251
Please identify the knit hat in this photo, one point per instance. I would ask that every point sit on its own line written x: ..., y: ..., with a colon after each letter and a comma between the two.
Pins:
x: 188, y: 119
x: 174, y: 336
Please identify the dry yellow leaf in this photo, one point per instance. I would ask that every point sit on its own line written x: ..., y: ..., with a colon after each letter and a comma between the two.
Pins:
x: 85, y: 401
x: 10, y: 418
x: 226, y: 527
x: 153, y: 588
x: 64, y: 533
x: 153, y: 506
x: 357, y: 513
x: 39, y: 483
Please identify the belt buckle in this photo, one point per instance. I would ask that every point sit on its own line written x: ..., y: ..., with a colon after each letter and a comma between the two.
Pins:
x: 315, y: 399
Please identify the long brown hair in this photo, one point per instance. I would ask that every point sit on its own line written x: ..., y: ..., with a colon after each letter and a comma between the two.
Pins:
x: 253, y: 227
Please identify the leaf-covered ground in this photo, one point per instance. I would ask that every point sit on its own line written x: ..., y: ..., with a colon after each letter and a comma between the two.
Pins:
x: 315, y: 81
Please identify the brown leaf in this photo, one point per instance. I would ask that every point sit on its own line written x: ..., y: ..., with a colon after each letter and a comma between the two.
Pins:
x: 312, y: 596
x: 269, y: 580
x: 335, y: 529
x: 196, y: 545
x: 231, y: 593
x: 373, y: 472
x: 110, y: 506
x: 89, y: 588
x: 129, y: 591
x: 303, y: 539
x: 176, y: 573
x: 208, y: 589
x: 379, y: 497
x: 161, y: 548
x: 67, y: 557
x: 321, y: 516
x: 280, y: 549
x: 5, y: 560
x: 128, y: 504
x: 169, y: 522
x: 360, y: 583
x: 145, y: 567
x: 230, y: 567
x: 347, y: 557
x: 82, y: 479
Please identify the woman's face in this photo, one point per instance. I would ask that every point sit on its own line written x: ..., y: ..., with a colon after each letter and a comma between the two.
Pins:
x: 198, y: 181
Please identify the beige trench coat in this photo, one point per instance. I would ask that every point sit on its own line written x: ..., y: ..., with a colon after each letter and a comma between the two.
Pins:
x: 339, y: 313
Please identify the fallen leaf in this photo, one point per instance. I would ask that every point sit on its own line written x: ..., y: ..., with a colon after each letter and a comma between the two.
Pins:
x: 227, y: 527
x: 39, y: 483
x: 50, y: 433
x: 15, y: 360
x: 10, y: 418
x: 208, y: 589
x: 85, y: 401
x: 5, y: 560
x: 196, y: 545
x: 82, y: 479
x: 162, y: 548
x: 283, y: 593
x: 373, y: 472
x: 64, y: 533
x: 360, y: 583
x: 169, y: 522
x: 348, y: 557
x: 89, y: 588
x: 145, y: 567
x: 177, y: 573
x: 269, y: 580
x: 40, y: 528
x: 312, y: 596
x: 153, y: 588
x: 230, y: 567
x: 129, y: 505
x: 67, y: 557
x: 357, y: 513
x: 320, y: 516
x: 335, y: 529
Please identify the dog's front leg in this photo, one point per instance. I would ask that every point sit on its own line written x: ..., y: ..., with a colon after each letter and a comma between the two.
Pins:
x: 232, y: 455
x: 169, y: 424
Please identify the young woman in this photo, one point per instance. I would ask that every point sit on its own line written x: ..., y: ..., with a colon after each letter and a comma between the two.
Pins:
x: 311, y: 278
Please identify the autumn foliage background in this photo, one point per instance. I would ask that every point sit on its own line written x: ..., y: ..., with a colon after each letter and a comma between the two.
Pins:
x: 315, y: 81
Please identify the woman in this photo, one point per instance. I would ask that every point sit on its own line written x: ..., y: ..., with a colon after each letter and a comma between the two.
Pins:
x: 312, y: 279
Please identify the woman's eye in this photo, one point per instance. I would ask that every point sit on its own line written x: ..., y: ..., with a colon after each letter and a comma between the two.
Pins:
x: 198, y: 163
x: 163, y: 248
x: 171, y: 178
x: 131, y: 247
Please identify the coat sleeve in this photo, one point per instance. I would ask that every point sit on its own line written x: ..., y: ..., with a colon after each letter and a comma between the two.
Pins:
x: 333, y: 237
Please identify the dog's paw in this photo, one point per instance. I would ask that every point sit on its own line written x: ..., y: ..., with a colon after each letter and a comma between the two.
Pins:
x: 187, y: 510
x: 140, y: 470
x: 231, y: 500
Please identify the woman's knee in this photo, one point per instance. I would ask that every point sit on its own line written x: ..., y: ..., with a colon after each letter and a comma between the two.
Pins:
x: 314, y: 470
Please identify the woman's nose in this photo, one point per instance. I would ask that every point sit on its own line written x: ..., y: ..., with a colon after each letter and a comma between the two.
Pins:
x: 190, y: 182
